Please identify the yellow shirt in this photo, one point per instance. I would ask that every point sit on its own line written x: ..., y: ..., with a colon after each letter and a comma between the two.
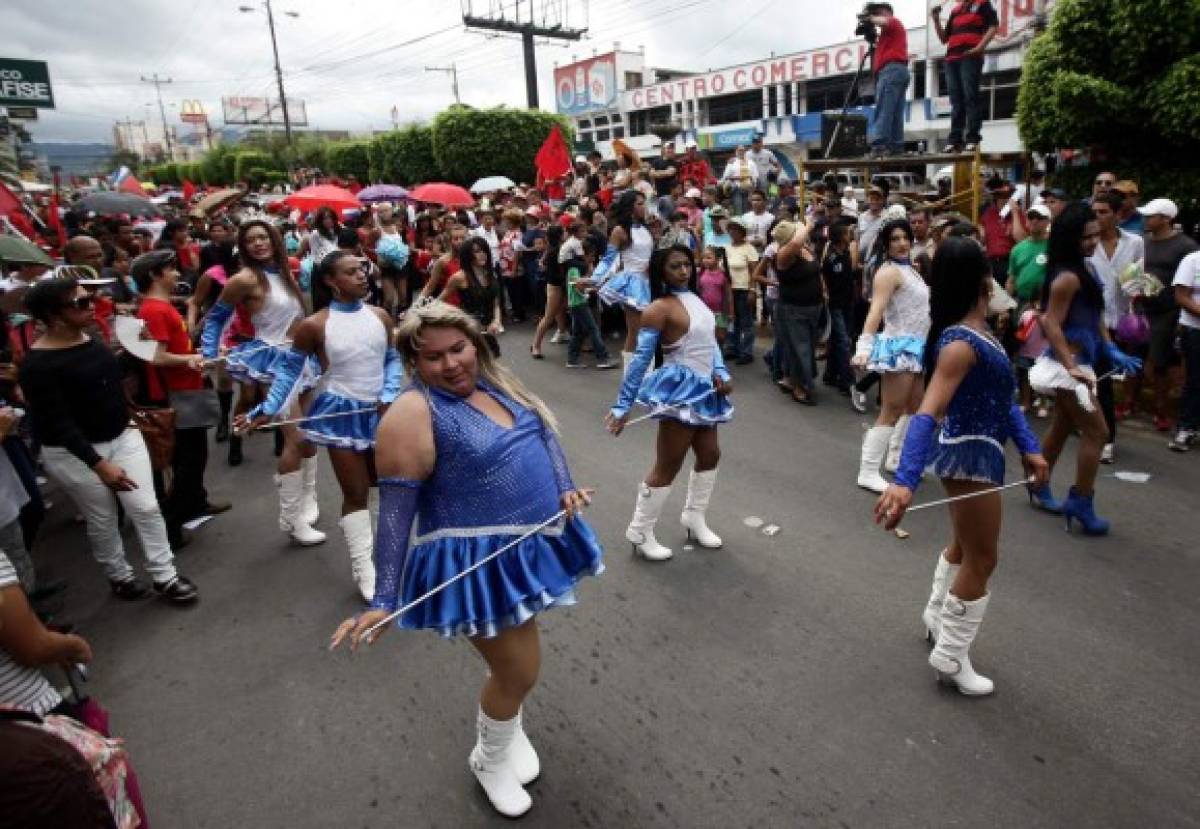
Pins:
x: 741, y: 258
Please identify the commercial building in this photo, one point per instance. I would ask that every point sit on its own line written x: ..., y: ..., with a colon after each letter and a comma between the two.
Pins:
x: 782, y: 97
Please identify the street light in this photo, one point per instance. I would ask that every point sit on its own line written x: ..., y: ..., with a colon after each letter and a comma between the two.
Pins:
x: 287, y: 121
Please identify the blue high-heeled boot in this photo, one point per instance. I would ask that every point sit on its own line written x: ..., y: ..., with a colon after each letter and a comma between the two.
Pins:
x: 1044, y: 500
x: 1082, y: 509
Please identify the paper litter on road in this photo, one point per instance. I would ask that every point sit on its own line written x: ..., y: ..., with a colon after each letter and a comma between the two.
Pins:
x: 752, y: 521
x: 1132, y: 477
x: 902, y: 533
x: 196, y: 522
x: 771, y: 529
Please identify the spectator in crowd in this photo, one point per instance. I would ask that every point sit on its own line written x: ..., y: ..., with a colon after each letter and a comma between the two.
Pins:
x: 322, y: 239
x: 116, y: 267
x: 849, y: 203
x: 839, y: 260
x: 1186, y: 286
x: 758, y: 221
x: 967, y: 32
x: 871, y: 219
x: 1128, y: 216
x: 739, y: 180
x: 1027, y: 262
x: 1104, y: 182
x: 664, y: 174
x: 891, y: 80
x: 741, y: 256
x: 578, y: 276
x: 1055, y: 199
x: 693, y: 168
x: 764, y: 161
x: 73, y: 385
x: 997, y: 229
x: 176, y: 237
x: 801, y: 294
x: 922, y: 249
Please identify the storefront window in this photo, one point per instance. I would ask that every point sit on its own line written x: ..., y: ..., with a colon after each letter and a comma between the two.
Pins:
x: 828, y: 93
x: 729, y: 109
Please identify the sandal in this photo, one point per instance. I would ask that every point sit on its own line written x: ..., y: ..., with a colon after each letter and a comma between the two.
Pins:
x: 537, y: 355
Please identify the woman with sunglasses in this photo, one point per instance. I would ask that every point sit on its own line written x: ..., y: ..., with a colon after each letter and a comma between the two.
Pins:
x: 360, y: 375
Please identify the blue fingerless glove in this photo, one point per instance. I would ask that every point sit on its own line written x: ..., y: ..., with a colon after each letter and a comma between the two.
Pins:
x: 287, y: 374
x: 214, y: 325
x: 1121, y: 361
x: 918, y: 446
x: 397, y: 511
x: 647, y: 341
x: 393, y: 376
x: 1018, y: 429
x: 719, y: 369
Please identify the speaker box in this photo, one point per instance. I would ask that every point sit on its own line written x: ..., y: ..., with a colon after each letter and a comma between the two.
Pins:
x: 852, y: 138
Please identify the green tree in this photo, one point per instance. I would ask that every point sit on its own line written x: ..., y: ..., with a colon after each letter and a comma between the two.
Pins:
x: 349, y: 158
x: 250, y: 164
x: 403, y: 156
x: 469, y: 144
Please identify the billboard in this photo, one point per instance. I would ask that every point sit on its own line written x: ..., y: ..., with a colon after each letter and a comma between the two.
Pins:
x: 25, y: 83
x: 262, y: 111
x: 192, y: 112
x: 587, y: 85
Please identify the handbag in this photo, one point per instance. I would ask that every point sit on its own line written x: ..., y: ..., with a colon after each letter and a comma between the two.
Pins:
x: 195, y: 408
x: 157, y: 425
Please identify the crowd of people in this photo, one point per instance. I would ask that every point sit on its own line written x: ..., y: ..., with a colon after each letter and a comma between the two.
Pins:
x: 365, y: 332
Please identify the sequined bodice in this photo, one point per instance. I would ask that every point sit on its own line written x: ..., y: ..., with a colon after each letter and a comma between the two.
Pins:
x: 279, y: 311
x: 907, y: 313
x: 980, y: 407
x: 694, y: 349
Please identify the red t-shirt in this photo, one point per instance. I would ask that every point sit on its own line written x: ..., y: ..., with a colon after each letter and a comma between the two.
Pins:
x: 164, y: 324
x: 892, y: 46
x: 997, y: 233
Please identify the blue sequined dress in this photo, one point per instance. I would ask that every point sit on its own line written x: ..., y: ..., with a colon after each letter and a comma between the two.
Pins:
x: 970, y: 446
x: 490, y: 485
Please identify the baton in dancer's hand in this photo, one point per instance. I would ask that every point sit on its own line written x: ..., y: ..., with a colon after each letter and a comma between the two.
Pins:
x: 894, y: 502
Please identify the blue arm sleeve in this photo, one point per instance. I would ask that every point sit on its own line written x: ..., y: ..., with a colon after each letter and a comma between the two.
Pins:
x: 647, y: 340
x: 562, y: 473
x: 1018, y: 428
x: 719, y: 368
x: 1121, y: 361
x: 397, y: 511
x: 918, y: 446
x: 393, y: 376
x: 287, y: 374
x: 214, y: 324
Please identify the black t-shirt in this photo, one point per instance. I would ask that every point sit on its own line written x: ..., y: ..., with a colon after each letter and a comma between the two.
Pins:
x: 663, y: 186
x: 1162, y: 259
x: 839, y: 277
x: 800, y: 284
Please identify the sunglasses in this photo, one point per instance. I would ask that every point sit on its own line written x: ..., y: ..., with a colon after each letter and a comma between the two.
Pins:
x: 80, y: 303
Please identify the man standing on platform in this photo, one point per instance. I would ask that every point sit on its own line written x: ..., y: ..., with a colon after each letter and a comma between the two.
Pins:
x: 891, y: 80
x: 967, y: 33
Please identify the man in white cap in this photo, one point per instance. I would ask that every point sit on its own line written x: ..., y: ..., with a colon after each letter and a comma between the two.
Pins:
x: 1166, y: 247
x: 693, y: 167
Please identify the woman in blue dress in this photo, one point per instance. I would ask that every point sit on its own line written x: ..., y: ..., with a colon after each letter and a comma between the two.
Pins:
x: 468, y: 462
x: 630, y: 288
x: 688, y: 396
x: 971, y: 391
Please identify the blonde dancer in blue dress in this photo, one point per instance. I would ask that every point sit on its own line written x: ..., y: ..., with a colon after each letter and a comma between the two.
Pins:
x: 469, y: 462
x: 688, y: 396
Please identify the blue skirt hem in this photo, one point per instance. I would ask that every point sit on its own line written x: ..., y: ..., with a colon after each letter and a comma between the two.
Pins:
x: 664, y: 390
x: 352, y: 431
x: 970, y: 460
x: 628, y: 288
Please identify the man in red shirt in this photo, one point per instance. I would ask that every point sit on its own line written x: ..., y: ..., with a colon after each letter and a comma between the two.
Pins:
x: 695, y: 167
x: 175, y: 377
x: 968, y: 31
x: 891, y: 80
x: 997, y: 229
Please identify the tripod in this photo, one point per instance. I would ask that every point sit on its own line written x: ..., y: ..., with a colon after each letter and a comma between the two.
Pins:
x: 837, y: 128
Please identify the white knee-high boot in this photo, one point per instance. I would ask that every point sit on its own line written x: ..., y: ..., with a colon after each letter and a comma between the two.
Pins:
x: 896, y: 444
x: 360, y: 540
x: 310, y: 510
x: 489, y: 761
x: 700, y: 489
x: 875, y: 444
x: 960, y: 623
x: 646, y: 510
x: 943, y: 577
x: 291, y: 494
x: 522, y: 756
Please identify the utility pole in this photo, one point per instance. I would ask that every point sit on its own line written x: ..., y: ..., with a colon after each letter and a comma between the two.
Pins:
x: 287, y: 121
x: 528, y: 29
x: 452, y: 71
x: 162, y: 111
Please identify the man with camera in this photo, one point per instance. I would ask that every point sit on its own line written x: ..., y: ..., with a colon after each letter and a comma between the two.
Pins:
x: 880, y: 26
x: 967, y: 32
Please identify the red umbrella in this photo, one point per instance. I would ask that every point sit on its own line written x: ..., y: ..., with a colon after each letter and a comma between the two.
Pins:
x: 323, y: 195
x: 447, y: 195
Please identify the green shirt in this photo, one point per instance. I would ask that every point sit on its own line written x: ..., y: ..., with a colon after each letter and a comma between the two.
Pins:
x: 1027, y: 267
x: 575, y: 297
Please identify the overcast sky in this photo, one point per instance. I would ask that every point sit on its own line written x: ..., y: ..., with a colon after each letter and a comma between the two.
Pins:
x: 351, y: 61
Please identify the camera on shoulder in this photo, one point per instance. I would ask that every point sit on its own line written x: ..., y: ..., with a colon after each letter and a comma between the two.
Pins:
x: 866, y: 28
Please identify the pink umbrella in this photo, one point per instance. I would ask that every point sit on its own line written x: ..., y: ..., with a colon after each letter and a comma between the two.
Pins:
x: 323, y: 195
x: 447, y: 195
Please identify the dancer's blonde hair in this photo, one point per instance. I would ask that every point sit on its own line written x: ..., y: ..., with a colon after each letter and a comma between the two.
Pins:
x: 437, y: 314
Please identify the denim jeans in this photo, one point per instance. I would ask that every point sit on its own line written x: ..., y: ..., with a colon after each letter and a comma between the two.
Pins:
x: 837, y: 355
x: 743, y: 325
x: 583, y: 323
x: 800, y: 337
x: 891, y: 84
x: 1190, y: 414
x: 739, y: 201
x: 779, y: 360
x: 966, y: 114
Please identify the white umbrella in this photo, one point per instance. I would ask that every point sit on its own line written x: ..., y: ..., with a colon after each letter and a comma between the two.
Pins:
x: 493, y: 183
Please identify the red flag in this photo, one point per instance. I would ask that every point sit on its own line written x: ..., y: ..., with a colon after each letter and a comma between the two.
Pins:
x: 553, y: 159
x: 55, y: 221
x: 189, y: 190
x: 130, y: 184
x: 9, y: 203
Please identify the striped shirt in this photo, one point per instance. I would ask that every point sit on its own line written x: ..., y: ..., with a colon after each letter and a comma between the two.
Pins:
x: 969, y: 21
x: 20, y: 687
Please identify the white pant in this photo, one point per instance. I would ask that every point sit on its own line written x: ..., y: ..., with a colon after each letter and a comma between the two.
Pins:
x: 95, y: 500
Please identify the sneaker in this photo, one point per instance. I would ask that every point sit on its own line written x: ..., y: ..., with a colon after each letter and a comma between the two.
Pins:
x: 858, y: 400
x: 129, y: 590
x: 1183, y: 440
x: 177, y: 591
x: 1106, y: 454
x: 559, y: 337
x: 607, y: 364
x: 576, y: 365
x: 970, y: 148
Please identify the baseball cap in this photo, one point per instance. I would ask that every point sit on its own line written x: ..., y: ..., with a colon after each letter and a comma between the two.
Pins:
x: 693, y: 193
x: 1055, y: 193
x: 1040, y: 210
x: 691, y: 142
x: 147, y: 263
x: 1129, y: 188
x: 1159, y: 207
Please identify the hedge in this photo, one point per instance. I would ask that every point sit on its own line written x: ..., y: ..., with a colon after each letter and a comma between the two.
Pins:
x: 403, y: 156
x: 469, y: 144
x: 349, y: 158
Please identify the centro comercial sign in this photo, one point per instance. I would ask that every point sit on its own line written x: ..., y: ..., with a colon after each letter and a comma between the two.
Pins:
x: 25, y: 83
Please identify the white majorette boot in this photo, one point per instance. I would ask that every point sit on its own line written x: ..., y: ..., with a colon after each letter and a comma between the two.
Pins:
x: 626, y: 359
x: 291, y: 486
x: 700, y: 489
x: 649, y: 506
x: 896, y: 444
x: 489, y: 760
x: 875, y: 444
x: 960, y: 623
x: 310, y: 510
x: 356, y: 527
x: 943, y: 577
x: 521, y: 755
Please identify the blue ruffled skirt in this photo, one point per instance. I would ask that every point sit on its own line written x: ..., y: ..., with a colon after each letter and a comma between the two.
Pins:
x: 628, y: 288
x: 968, y: 458
x: 539, y: 573
x: 897, y: 354
x: 351, y: 431
x: 255, y: 361
x: 664, y: 390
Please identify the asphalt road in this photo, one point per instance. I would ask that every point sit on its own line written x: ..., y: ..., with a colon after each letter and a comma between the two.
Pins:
x: 780, y: 681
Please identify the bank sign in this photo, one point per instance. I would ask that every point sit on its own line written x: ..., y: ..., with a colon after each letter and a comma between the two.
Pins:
x: 25, y: 83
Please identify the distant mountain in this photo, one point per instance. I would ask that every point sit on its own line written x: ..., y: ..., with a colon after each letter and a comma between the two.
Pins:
x: 77, y: 158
